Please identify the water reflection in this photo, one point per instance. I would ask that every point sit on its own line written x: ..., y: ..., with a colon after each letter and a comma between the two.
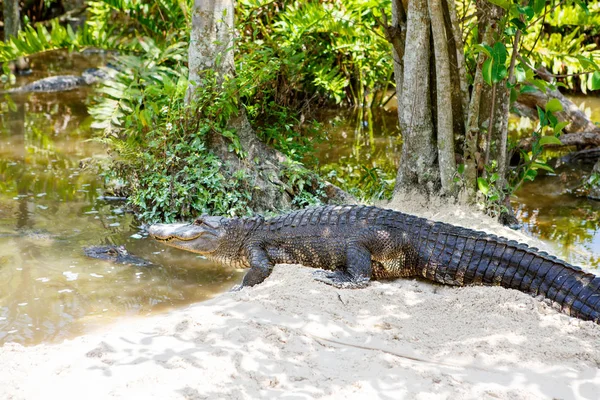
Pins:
x: 551, y: 210
x: 362, y: 150
x: 50, y: 210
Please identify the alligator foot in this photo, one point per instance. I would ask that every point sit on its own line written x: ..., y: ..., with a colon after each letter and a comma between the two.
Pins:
x: 340, y: 279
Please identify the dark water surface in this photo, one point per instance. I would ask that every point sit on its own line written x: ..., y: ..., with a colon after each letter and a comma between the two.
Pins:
x: 50, y: 209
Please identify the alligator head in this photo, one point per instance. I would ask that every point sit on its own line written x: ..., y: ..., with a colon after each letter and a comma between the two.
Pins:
x: 115, y: 254
x: 203, y: 236
x: 93, y: 75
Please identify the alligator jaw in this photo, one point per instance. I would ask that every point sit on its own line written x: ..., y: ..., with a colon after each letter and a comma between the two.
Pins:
x: 170, y: 232
x: 199, y: 237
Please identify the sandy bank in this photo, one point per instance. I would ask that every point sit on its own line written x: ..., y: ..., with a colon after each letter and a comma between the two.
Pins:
x: 297, y: 338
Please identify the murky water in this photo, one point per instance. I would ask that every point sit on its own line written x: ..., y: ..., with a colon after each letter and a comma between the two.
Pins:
x: 549, y: 210
x: 50, y: 209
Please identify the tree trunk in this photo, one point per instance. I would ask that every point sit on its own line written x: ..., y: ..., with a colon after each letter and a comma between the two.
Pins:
x: 210, y: 40
x: 12, y: 19
x: 471, y: 151
x: 459, y: 117
x: 418, y: 165
x: 494, y: 101
x: 503, y: 153
x: 12, y: 26
x: 211, y: 48
x: 398, y: 40
x: 445, y: 128
x: 461, y: 68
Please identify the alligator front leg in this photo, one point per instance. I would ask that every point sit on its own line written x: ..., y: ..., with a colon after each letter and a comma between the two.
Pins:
x: 357, y: 273
x: 260, y: 267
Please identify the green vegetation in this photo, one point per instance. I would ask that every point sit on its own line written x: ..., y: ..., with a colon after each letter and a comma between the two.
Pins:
x: 291, y: 59
x: 566, y: 42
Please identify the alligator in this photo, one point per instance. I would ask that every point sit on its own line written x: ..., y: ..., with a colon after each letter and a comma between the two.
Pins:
x: 359, y: 243
x: 115, y: 254
x: 62, y: 83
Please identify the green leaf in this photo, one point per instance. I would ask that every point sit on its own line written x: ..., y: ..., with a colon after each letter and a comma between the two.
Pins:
x: 546, y: 140
x: 538, y: 6
x: 530, y: 175
x: 587, y: 63
x: 487, y: 71
x: 560, y: 126
x: 541, y: 116
x: 485, y: 48
x: 595, y: 81
x: 501, y: 3
x: 528, y: 89
x: 527, y: 11
x: 540, y: 84
x: 483, y: 185
x: 461, y: 168
x: 583, y: 5
x: 541, y: 165
x: 520, y: 74
x: 519, y: 24
x: 553, y: 105
x: 514, y: 95
x: 499, y: 70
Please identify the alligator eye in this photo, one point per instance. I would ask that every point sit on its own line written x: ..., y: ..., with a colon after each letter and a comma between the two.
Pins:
x: 199, y: 221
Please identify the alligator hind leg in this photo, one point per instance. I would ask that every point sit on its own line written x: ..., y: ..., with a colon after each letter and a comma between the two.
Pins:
x: 357, y: 273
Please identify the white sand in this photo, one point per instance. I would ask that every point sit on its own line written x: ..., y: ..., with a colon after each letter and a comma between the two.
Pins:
x: 292, y: 337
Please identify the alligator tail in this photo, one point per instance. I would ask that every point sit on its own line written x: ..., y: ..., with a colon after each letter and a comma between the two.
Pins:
x: 460, y: 256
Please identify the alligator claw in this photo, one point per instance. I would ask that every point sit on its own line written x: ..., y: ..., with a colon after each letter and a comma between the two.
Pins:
x: 236, y: 288
x: 340, y: 279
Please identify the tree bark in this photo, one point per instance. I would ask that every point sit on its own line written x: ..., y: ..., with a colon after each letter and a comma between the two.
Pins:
x: 460, y: 60
x: 398, y: 40
x: 12, y: 26
x: 211, y: 36
x: 458, y: 111
x: 445, y: 128
x: 12, y: 19
x: 418, y: 165
x: 492, y: 104
x: 471, y: 151
x: 503, y: 153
